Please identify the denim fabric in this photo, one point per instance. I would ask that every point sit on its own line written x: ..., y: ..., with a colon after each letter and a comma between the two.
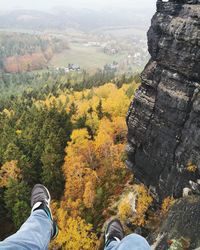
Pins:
x: 34, y: 234
x: 130, y: 242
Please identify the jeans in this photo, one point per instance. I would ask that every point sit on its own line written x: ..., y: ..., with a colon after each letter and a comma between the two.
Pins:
x: 34, y: 234
x: 130, y: 242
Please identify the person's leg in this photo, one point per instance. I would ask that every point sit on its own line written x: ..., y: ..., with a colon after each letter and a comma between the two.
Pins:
x: 113, y: 235
x: 112, y: 245
x: 130, y: 242
x: 115, y: 240
x: 35, y: 233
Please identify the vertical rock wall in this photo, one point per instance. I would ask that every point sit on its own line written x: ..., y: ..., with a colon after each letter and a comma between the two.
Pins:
x: 164, y: 118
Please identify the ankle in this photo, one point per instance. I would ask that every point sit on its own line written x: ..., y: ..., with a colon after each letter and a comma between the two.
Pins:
x: 42, y: 206
x: 111, y: 240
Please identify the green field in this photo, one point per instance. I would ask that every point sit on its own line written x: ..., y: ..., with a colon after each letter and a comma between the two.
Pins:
x: 88, y: 58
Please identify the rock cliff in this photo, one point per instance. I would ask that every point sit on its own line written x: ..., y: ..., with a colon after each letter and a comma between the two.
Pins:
x: 164, y: 118
x: 182, y: 228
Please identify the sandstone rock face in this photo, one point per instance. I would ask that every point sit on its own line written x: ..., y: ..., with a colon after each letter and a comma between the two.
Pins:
x: 164, y: 118
x: 182, y: 224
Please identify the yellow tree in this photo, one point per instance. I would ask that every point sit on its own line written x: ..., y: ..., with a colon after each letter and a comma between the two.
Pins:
x: 89, y: 190
x: 74, y: 234
x: 109, y: 149
x: 78, y: 169
x: 9, y: 171
x: 143, y: 202
x: 91, y: 163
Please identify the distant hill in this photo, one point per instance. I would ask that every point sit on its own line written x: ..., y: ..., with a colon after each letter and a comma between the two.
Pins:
x: 83, y: 19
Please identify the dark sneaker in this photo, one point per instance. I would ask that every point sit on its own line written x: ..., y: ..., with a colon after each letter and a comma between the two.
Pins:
x: 114, y: 232
x: 40, y: 195
x: 40, y: 199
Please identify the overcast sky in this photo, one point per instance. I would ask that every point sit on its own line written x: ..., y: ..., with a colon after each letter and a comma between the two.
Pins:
x: 48, y: 4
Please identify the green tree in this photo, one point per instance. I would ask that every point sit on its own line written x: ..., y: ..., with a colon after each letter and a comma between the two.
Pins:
x: 16, y: 198
x: 99, y: 110
x: 52, y: 160
x: 12, y: 153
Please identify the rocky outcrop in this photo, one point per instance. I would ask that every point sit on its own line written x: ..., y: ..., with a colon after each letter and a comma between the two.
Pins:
x: 164, y: 118
x: 181, y: 228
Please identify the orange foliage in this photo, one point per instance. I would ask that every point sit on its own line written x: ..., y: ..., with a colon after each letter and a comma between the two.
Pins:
x: 191, y: 167
x: 166, y: 204
x: 9, y: 171
x: 75, y: 233
x: 124, y: 210
x: 94, y: 165
x: 89, y: 194
x: 143, y: 202
x: 135, y: 205
x: 29, y: 62
x: 87, y: 162
x: 80, y: 177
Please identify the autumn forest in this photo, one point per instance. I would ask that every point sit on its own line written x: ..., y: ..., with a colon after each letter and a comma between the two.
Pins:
x: 66, y: 128
x: 73, y: 142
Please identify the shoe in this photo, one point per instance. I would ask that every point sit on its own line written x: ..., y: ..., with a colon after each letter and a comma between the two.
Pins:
x: 114, y: 232
x: 40, y: 199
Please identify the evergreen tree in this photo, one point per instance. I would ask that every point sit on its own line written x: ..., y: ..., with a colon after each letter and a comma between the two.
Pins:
x: 99, y: 110
x: 12, y: 153
x: 17, y: 200
x: 52, y: 160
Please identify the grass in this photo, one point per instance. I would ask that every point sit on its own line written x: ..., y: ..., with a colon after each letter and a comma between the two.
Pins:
x: 88, y: 58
